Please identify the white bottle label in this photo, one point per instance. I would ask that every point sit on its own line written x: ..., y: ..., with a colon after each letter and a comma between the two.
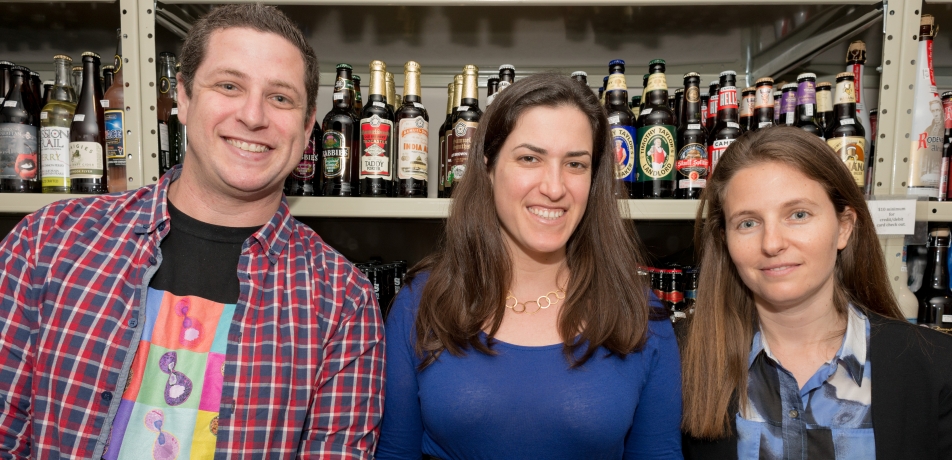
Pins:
x: 174, y: 110
x: 54, y: 156
x: 85, y: 160
x: 412, y: 149
x: 79, y: 117
x: 164, y: 137
x: 10, y: 103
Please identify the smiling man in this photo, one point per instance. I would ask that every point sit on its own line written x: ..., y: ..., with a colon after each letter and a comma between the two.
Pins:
x: 195, y: 317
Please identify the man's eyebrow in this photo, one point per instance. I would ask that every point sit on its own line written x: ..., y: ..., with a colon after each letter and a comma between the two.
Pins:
x: 273, y: 82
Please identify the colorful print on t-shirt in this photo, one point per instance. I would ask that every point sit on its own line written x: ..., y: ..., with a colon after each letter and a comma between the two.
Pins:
x: 169, y: 408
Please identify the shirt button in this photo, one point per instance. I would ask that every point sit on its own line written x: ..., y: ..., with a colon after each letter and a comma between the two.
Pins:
x: 106, y: 396
x: 161, y: 226
x: 152, y: 260
x: 794, y: 414
x: 133, y: 322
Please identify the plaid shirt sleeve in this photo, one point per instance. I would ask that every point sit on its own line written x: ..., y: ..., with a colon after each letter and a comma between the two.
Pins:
x: 348, y: 408
x: 18, y: 320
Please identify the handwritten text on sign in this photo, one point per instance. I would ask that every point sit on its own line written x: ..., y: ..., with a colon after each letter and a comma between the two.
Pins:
x: 893, y: 217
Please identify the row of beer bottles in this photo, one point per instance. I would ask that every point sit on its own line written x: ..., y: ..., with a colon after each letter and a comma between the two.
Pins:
x: 668, y: 153
x: 172, y: 135
x: 75, y: 143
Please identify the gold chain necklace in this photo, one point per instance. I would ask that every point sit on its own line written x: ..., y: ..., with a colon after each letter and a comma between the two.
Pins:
x: 550, y: 299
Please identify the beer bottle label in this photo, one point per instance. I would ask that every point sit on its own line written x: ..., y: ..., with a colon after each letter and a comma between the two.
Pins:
x: 716, y: 149
x: 18, y: 152
x: 163, y: 136
x: 764, y: 97
x: 616, y: 81
x: 727, y: 98
x: 342, y: 86
x: 336, y: 155
x: 376, y: 135
x: 459, y: 150
x: 54, y: 153
x: 503, y: 84
x: 747, y: 106
x: 164, y: 84
x: 845, y: 92
x: 656, y: 151
x: 623, y: 141
x: 928, y: 128
x: 947, y: 109
x: 852, y: 150
x: 692, y: 166
x: 824, y: 102
x: 944, y: 179
x: 789, y: 102
x: 447, y: 157
x: 776, y: 110
x: 712, y: 105
x: 85, y: 160
x: 115, y: 141
x: 307, y: 167
x: 656, y: 81
x: 806, y: 93
x: 704, y: 112
x: 413, y: 150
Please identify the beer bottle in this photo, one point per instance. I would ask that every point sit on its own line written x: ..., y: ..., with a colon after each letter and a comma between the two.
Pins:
x: 871, y: 157
x: 359, y: 99
x: 164, y: 103
x: 778, y: 120
x: 690, y: 290
x: 946, y: 139
x: 108, y: 76
x: 492, y: 86
x: 78, y: 77
x: 856, y: 63
x: 55, y: 119
x: 636, y: 108
x: 622, y: 124
x: 507, y: 76
x: 376, y: 136
x: 36, y: 87
x: 692, y: 163
x: 712, y: 105
x: 845, y: 134
x: 671, y: 105
x: 824, y: 104
x: 304, y: 180
x: 390, y: 96
x: 6, y: 80
x: 705, y: 102
x: 581, y: 77
x: 340, y: 128
x: 935, y: 298
x: 30, y: 100
x: 644, y: 92
x: 727, y: 128
x: 671, y: 280
x: 87, y: 134
x: 678, y: 103
x: 448, y: 165
x: 19, y: 163
x: 465, y: 121
x: 180, y: 137
x: 806, y: 104
x: 601, y: 94
x: 413, y: 137
x: 928, y: 126
x: 47, y: 89
x: 115, y: 127
x: 656, y: 138
x: 444, y: 131
x: 747, y: 103
x: 788, y: 105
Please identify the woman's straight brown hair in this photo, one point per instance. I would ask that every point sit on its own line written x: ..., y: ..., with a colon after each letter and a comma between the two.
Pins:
x: 715, y: 352
x: 606, y: 301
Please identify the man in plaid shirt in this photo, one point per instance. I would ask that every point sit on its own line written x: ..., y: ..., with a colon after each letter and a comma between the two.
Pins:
x: 195, y: 317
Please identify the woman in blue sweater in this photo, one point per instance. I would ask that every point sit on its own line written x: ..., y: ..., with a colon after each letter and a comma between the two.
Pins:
x: 529, y: 333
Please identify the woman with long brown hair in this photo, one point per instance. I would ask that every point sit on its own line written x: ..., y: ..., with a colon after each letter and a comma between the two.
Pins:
x: 529, y: 333
x: 797, y: 348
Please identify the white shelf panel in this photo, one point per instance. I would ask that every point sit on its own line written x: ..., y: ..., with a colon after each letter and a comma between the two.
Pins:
x: 25, y: 203
x: 934, y: 211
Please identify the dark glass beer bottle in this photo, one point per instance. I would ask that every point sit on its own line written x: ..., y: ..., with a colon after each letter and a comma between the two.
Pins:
x: 727, y: 128
x: 391, y: 91
x: 635, y: 106
x: 856, y: 63
x: 87, y: 134
x: 788, y: 105
x: 55, y: 119
x: 581, y: 77
x: 692, y: 163
x: 338, y: 144
x: 492, y: 87
x: 444, y: 129
x: 19, y: 159
x: 507, y: 76
x: 845, y: 134
x: 601, y: 94
x: 935, y: 298
x: 47, y: 90
x: 622, y: 124
x: 806, y: 104
x: 376, y: 137
x: 705, y: 101
x: 359, y: 97
x: 108, y: 76
x: 712, y: 105
x: 777, y: 109
x: 165, y: 101
x: 678, y: 103
x: 644, y: 92
x: 304, y: 180
x: 747, y: 102
x: 447, y: 164
x: 763, y: 104
x: 656, y: 138
x: 115, y: 119
x: 824, y: 105
x: 413, y: 137
x: 36, y: 86
x: 6, y: 81
x: 465, y: 121
x: 180, y: 137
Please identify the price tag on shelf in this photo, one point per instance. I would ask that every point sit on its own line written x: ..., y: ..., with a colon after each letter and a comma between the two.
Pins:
x: 893, y: 217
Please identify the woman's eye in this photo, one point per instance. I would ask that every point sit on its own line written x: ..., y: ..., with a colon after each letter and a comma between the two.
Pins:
x: 800, y: 215
x: 747, y: 224
x: 528, y: 159
x: 578, y: 165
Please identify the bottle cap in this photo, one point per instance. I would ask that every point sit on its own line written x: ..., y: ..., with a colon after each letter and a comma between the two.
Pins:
x: 507, y: 67
x: 806, y: 75
x: 824, y: 85
x: 34, y: 73
x: 789, y: 86
x: 411, y: 66
x: 108, y: 67
x: 21, y: 68
x: 579, y: 73
x: 844, y: 75
x: 656, y: 61
x: 749, y: 89
x: 679, y: 91
x: 927, y: 20
x: 692, y: 74
x: 77, y: 68
x: 344, y: 66
x: 616, y: 62
x: 90, y: 53
x: 492, y: 79
x: 715, y: 83
x: 356, y: 78
x: 48, y: 82
x: 873, y: 111
x: 378, y: 65
x: 947, y: 94
x: 728, y: 72
x: 58, y: 56
x: 10, y: 63
x: 706, y: 94
x: 764, y: 80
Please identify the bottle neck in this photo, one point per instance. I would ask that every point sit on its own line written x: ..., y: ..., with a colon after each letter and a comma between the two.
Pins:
x: 62, y: 73
x: 692, y: 105
x: 411, y: 85
x: 727, y: 104
x: 936, y: 268
x: 343, y: 91
x: 617, y: 100
x: 16, y: 89
x: 91, y: 80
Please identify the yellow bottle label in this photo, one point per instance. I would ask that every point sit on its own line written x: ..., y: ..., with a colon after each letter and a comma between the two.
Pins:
x: 852, y: 150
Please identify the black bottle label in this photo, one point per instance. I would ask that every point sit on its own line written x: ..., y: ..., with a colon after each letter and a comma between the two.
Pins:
x: 18, y: 152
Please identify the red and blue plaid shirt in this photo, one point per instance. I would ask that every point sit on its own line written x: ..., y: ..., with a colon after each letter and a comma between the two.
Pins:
x: 304, y: 371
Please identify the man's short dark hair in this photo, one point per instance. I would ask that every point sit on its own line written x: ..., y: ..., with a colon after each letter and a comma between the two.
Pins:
x: 255, y: 16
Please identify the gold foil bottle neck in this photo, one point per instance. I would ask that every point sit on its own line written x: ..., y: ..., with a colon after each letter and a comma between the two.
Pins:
x: 378, y: 65
x: 457, y: 90
x: 377, y: 80
x: 411, y: 79
x: 450, y: 97
x: 857, y: 52
x: 470, y: 84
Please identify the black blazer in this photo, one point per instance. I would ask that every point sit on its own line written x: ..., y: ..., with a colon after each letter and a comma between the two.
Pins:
x: 911, y: 400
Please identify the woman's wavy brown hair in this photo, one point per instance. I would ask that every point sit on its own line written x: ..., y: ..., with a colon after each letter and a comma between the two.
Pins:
x: 715, y: 352
x: 606, y: 303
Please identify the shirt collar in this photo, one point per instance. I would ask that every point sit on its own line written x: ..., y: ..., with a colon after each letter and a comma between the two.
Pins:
x: 272, y: 237
x: 853, y: 350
